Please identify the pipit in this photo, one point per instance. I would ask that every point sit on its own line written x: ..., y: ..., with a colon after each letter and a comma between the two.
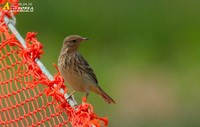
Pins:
x: 76, y: 71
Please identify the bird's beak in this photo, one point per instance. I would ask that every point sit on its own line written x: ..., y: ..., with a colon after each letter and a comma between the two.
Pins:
x: 86, y: 38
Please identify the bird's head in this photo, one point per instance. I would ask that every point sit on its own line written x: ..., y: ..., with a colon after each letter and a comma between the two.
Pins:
x: 72, y: 42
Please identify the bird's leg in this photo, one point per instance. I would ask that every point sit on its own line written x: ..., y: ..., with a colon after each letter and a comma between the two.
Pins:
x: 87, y: 93
x: 70, y: 96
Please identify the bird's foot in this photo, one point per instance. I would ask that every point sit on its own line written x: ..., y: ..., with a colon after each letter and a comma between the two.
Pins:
x: 70, y: 96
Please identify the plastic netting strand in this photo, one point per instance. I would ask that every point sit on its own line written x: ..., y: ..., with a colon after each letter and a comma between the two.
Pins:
x: 27, y: 96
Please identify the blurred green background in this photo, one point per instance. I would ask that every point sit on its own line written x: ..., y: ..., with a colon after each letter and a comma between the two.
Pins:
x: 145, y: 53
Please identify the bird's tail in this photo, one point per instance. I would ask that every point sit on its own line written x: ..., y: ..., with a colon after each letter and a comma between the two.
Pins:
x: 105, y: 96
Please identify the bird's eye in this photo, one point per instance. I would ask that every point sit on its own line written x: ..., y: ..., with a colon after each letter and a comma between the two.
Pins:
x: 73, y: 40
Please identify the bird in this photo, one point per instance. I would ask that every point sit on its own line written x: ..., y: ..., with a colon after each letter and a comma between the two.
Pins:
x: 76, y: 71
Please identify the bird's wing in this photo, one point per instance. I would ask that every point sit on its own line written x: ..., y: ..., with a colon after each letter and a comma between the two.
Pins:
x: 83, y: 65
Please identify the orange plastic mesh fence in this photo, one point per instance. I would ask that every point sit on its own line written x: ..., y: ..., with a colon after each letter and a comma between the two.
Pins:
x: 27, y: 96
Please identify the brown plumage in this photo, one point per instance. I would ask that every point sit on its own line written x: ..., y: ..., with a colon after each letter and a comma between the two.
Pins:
x: 76, y: 71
